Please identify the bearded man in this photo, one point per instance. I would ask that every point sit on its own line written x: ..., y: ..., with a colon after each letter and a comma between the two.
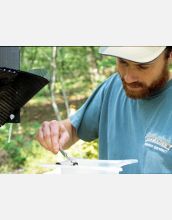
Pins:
x: 130, y: 112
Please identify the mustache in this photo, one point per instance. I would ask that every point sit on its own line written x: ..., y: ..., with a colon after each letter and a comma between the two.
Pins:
x: 134, y: 84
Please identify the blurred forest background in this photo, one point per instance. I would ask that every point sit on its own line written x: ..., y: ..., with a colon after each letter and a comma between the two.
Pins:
x: 74, y: 73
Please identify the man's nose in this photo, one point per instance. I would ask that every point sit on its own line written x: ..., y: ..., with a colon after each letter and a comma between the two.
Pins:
x: 130, y: 76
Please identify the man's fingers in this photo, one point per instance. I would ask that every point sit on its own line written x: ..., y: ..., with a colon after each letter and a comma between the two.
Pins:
x: 46, y: 134
x: 40, y: 138
x: 54, y: 130
x: 64, y: 136
x: 45, y: 137
x: 53, y: 135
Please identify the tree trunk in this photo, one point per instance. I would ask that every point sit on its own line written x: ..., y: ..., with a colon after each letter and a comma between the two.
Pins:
x: 65, y: 96
x: 64, y: 93
x: 53, y: 81
x: 94, y: 73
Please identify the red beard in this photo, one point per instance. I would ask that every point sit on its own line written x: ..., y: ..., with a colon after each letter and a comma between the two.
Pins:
x: 144, y: 91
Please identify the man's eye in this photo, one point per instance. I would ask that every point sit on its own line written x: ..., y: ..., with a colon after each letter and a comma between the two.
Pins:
x: 122, y: 62
x: 143, y: 67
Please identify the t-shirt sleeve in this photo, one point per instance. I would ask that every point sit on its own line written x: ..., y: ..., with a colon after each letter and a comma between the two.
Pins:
x: 86, y: 119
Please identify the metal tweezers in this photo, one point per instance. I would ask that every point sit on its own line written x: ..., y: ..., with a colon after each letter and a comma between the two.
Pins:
x: 68, y: 158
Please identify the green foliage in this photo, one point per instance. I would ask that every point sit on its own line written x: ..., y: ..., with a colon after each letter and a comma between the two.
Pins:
x: 15, y: 153
x: 90, y: 150
x: 72, y: 61
x: 106, y: 63
x: 74, y: 64
x: 87, y: 150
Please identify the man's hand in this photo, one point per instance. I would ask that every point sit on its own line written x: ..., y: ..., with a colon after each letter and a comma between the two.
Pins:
x: 54, y: 135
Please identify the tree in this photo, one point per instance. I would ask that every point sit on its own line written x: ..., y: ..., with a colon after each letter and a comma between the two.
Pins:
x: 53, y: 81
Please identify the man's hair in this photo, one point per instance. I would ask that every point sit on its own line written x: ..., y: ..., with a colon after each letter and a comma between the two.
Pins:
x: 168, y: 50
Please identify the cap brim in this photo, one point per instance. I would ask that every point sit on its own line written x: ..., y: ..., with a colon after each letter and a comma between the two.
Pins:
x: 135, y: 54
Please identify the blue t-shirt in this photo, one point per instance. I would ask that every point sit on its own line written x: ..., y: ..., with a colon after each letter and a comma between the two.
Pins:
x: 129, y: 128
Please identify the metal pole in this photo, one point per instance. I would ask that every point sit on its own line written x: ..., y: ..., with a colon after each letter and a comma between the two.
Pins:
x: 10, y: 57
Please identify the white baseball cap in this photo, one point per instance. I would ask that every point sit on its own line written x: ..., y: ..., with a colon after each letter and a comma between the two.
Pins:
x: 135, y: 54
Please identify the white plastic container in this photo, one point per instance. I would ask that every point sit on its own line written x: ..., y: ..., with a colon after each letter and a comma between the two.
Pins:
x: 86, y: 166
